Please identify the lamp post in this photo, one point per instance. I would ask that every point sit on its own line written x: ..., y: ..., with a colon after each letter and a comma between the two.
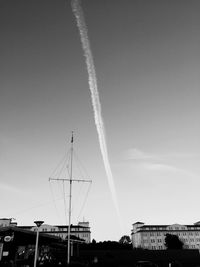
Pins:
x: 38, y: 223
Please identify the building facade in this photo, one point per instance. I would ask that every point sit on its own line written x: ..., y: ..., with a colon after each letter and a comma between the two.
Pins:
x: 6, y: 222
x: 153, y: 236
x: 17, y: 248
x: 81, y: 230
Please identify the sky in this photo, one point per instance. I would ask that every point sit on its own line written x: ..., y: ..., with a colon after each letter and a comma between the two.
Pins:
x: 147, y: 62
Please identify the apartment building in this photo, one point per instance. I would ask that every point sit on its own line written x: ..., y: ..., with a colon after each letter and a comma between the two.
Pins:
x: 153, y: 236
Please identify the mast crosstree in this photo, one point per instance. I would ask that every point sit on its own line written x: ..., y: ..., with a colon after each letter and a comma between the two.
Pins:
x: 70, y: 180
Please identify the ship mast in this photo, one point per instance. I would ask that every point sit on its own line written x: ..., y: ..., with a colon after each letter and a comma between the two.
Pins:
x: 70, y: 180
x: 70, y: 200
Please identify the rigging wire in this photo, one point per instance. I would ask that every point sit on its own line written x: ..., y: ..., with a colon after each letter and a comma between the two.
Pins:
x: 84, y: 202
x: 79, y: 193
x: 57, y: 166
x: 58, y: 214
x: 57, y: 173
x: 35, y: 206
x: 82, y: 172
x: 81, y: 164
x: 61, y: 165
x: 63, y: 168
x: 65, y: 205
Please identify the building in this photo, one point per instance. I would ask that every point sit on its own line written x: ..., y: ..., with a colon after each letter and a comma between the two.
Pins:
x: 153, y: 236
x: 17, y: 243
x: 6, y: 222
x: 81, y: 230
x: 17, y: 246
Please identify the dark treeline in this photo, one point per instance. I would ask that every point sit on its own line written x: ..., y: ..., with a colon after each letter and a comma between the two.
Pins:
x: 106, y: 245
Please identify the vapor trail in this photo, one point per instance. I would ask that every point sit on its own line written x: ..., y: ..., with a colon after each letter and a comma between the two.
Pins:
x: 92, y: 80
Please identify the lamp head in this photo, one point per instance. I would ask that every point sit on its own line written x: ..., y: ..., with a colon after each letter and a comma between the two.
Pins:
x: 38, y: 223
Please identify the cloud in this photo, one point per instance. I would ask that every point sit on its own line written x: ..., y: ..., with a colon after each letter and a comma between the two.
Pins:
x: 136, y: 154
x: 157, y: 162
x: 160, y: 167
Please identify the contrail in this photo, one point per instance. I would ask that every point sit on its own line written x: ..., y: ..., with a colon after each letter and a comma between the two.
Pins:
x: 92, y: 80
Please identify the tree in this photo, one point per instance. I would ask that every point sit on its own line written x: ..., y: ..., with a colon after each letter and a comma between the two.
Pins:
x: 173, y: 242
x: 94, y: 241
x: 125, y: 240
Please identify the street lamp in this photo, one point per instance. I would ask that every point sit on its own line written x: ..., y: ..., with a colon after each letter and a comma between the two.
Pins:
x: 38, y: 223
